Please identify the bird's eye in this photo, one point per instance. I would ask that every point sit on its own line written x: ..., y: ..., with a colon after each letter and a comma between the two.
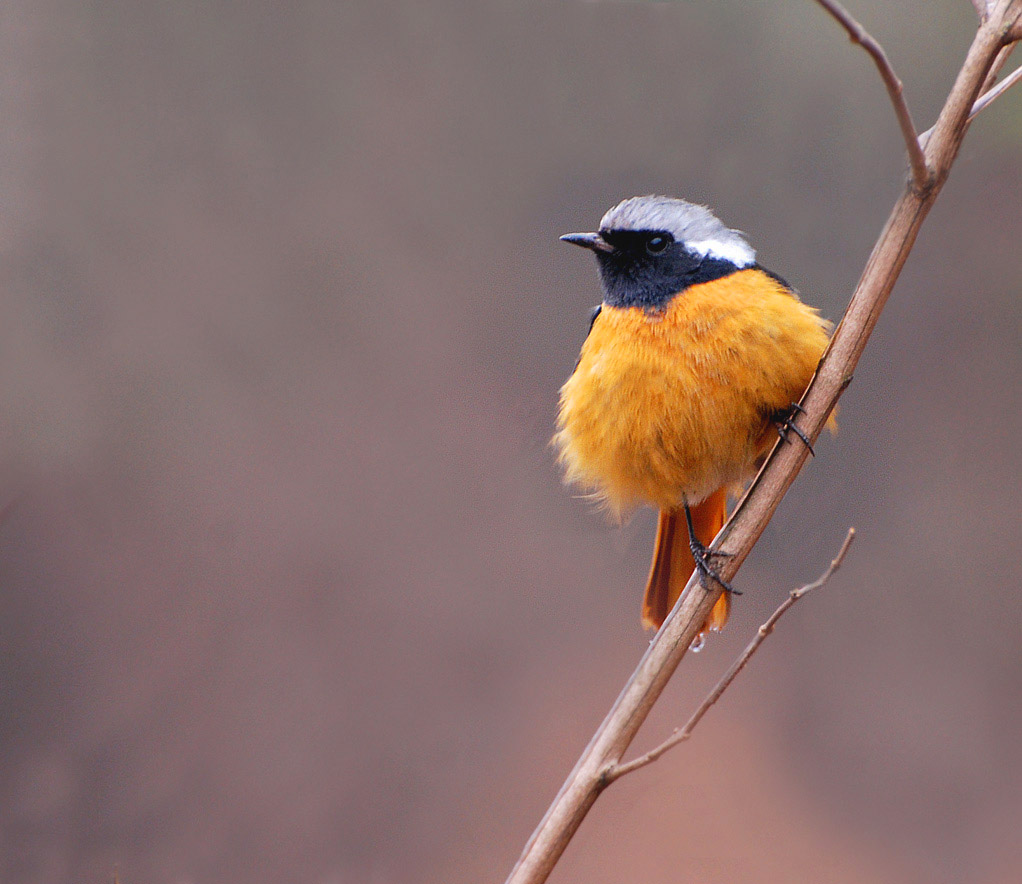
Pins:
x: 659, y: 243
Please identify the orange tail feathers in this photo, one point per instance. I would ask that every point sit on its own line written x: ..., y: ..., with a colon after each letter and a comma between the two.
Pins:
x: 673, y: 563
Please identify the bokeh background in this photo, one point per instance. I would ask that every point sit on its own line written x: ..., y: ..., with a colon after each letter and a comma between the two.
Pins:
x: 290, y: 588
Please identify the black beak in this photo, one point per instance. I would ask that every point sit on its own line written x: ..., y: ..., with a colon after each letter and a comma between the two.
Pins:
x: 588, y: 241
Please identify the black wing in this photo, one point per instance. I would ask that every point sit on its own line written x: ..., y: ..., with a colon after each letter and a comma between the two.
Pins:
x: 592, y: 321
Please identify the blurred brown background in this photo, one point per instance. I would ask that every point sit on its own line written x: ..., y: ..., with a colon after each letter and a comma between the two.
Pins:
x: 290, y: 589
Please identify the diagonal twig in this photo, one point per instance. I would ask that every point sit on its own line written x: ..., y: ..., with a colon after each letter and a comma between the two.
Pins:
x: 995, y: 69
x: 614, y: 771
x: 991, y: 90
x: 992, y: 94
x: 921, y: 174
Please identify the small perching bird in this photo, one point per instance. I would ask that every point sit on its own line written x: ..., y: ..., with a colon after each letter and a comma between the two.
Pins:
x: 693, y: 363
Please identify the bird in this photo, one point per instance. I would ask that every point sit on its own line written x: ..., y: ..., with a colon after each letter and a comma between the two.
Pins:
x: 693, y: 366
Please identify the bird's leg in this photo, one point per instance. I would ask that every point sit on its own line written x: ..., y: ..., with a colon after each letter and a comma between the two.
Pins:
x: 701, y: 555
x: 785, y: 423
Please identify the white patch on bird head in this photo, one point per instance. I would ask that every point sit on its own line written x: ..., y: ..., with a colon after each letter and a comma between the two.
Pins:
x: 695, y: 226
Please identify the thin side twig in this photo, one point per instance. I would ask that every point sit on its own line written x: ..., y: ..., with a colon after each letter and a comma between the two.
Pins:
x: 681, y: 734
x: 995, y: 70
x: 991, y: 91
x: 991, y: 95
x: 921, y: 175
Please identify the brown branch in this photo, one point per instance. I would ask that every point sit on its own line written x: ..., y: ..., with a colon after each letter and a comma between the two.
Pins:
x: 921, y: 174
x: 615, y: 771
x: 587, y: 780
x: 1013, y: 27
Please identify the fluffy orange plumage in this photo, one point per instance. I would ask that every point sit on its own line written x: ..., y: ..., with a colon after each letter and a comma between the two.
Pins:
x: 679, y: 403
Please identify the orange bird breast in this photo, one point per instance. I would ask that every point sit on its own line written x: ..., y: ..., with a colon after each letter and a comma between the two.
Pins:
x: 679, y: 403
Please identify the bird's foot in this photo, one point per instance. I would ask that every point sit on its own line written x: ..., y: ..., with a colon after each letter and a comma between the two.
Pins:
x: 785, y: 423
x: 701, y: 555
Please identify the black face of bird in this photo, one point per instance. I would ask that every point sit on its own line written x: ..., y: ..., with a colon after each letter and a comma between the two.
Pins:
x: 651, y: 248
x: 647, y: 268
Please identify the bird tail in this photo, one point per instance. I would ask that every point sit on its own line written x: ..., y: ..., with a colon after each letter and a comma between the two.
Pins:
x: 673, y: 563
